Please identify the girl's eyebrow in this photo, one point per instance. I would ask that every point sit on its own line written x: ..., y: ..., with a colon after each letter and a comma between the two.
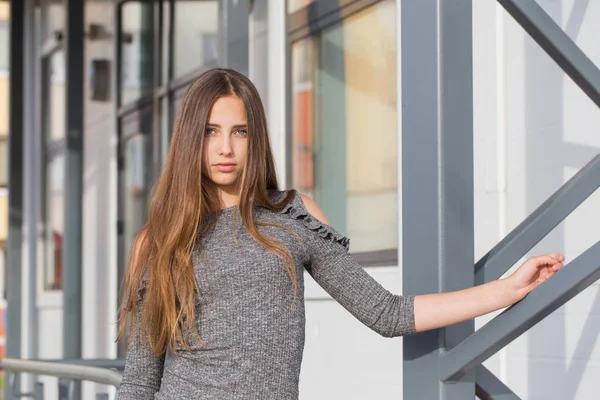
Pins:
x: 234, y: 127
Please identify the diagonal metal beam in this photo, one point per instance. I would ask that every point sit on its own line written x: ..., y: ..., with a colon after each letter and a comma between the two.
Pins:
x: 489, y: 387
x: 537, y: 225
x: 574, y: 278
x: 557, y: 44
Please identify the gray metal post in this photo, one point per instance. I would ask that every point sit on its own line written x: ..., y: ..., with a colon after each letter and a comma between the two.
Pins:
x: 15, y: 186
x: 39, y: 391
x: 234, y: 34
x: 73, y: 179
x: 437, y: 170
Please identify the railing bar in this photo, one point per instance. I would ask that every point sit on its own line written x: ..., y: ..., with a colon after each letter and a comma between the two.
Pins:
x: 489, y: 387
x: 557, y: 44
x: 500, y: 331
x: 79, y: 372
x: 537, y: 225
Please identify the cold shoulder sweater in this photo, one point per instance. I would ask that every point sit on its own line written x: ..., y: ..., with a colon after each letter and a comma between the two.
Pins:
x: 251, y: 330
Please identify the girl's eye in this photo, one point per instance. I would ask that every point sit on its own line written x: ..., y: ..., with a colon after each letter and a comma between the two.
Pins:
x: 209, y: 131
x: 242, y: 132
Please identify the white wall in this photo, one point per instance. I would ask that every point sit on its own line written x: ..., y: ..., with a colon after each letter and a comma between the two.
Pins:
x: 552, y: 132
x: 534, y: 128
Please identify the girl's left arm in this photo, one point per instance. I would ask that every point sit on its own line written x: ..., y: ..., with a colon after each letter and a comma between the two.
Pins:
x: 443, y: 309
x: 393, y: 315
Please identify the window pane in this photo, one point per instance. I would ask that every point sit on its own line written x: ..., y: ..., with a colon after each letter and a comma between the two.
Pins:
x: 166, y: 25
x: 344, y: 125
x: 195, y: 34
x: 53, y: 222
x: 3, y: 161
x: 295, y: 5
x: 165, y: 129
x: 54, y: 93
x: 53, y: 18
x: 4, y: 46
x: 137, y: 178
x: 136, y: 50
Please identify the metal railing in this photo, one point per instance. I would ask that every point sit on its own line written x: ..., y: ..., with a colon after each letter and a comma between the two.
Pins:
x: 70, y: 372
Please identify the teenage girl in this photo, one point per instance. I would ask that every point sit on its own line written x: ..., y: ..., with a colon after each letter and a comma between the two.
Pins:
x: 215, y: 276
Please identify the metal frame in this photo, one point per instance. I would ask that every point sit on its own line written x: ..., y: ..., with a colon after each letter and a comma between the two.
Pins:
x: 72, y: 276
x: 437, y: 176
x: 437, y: 94
x: 302, y: 24
x: 15, y: 181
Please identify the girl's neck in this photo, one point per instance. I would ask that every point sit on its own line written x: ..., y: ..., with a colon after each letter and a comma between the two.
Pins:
x: 228, y: 198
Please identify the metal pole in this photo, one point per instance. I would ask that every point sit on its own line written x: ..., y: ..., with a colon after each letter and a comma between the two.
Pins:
x: 15, y: 185
x: 437, y: 170
x: 39, y: 391
x: 73, y: 182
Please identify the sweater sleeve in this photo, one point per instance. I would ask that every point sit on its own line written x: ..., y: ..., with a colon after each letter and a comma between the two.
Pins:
x: 336, y: 271
x: 143, y: 370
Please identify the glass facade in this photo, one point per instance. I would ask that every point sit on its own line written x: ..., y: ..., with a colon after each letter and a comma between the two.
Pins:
x: 137, y: 50
x: 4, y: 116
x: 344, y: 125
x: 164, y: 47
x: 195, y: 35
x: 53, y: 217
x: 53, y: 133
x: 137, y: 168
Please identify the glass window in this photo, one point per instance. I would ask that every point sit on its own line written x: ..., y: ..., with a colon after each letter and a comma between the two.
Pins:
x: 3, y: 161
x: 137, y: 174
x: 166, y: 27
x: 137, y: 40
x: 165, y: 128
x: 53, y: 17
x: 195, y: 33
x: 344, y: 136
x: 54, y: 96
x: 295, y: 5
x: 53, y: 222
x: 4, y: 46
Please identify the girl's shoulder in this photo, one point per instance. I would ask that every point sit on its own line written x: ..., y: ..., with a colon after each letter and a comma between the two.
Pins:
x: 304, y: 212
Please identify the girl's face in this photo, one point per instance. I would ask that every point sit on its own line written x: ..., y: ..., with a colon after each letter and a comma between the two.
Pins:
x: 226, y: 143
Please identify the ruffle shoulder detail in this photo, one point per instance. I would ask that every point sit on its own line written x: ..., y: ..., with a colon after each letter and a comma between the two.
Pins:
x: 296, y: 210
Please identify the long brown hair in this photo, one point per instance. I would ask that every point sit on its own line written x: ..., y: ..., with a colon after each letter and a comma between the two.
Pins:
x: 160, y: 283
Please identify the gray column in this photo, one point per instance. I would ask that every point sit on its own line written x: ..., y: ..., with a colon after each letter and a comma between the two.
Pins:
x: 234, y: 34
x: 15, y: 185
x: 73, y: 181
x: 437, y: 170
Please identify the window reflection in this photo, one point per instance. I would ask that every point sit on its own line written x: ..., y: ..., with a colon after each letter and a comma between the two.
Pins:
x: 195, y: 35
x: 54, y: 222
x: 344, y: 134
x: 137, y: 179
x: 137, y: 61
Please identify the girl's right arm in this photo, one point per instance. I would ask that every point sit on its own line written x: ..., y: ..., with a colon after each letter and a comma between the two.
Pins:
x: 143, y: 370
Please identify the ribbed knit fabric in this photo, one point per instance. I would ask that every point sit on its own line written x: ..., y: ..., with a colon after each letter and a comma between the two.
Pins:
x: 252, y: 330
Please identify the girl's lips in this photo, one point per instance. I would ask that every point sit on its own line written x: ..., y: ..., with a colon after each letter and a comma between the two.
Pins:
x: 225, y: 167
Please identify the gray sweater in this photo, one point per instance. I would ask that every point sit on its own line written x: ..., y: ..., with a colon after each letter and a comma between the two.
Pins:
x: 252, y: 333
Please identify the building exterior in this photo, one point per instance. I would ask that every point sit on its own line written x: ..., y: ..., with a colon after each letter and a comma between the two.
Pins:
x: 331, y: 84
x: 4, y: 110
